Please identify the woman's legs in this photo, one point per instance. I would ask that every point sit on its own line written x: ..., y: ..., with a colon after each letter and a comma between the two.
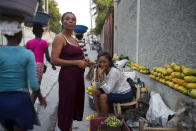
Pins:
x: 96, y: 94
x: 103, y: 105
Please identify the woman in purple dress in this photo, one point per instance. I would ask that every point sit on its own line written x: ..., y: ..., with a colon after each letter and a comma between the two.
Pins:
x: 68, y: 54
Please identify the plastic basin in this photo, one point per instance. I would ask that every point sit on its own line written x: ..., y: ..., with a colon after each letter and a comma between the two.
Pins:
x: 80, y: 29
x: 39, y: 19
x: 24, y: 9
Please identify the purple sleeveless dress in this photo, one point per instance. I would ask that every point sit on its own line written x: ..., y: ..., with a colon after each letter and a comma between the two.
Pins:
x: 71, y: 89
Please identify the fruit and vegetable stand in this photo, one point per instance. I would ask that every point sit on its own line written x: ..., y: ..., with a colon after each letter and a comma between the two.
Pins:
x: 175, y: 83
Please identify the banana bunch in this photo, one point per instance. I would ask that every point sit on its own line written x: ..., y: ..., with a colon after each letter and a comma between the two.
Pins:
x: 88, y: 118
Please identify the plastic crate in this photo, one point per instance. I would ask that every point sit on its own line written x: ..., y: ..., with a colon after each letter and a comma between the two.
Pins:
x: 99, y: 122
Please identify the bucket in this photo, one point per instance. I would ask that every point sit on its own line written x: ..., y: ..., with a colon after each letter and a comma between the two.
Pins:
x: 39, y: 19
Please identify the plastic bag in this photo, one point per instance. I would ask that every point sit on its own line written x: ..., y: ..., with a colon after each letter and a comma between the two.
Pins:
x: 121, y: 63
x: 158, y: 112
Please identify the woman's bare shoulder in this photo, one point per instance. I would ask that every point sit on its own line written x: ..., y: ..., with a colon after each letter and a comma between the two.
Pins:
x: 58, y: 38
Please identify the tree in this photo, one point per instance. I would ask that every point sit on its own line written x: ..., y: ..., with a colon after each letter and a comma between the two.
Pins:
x: 55, y: 16
x: 40, y: 7
x: 102, y: 8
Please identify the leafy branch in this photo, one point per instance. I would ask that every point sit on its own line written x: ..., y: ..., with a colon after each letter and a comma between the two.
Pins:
x: 102, y: 9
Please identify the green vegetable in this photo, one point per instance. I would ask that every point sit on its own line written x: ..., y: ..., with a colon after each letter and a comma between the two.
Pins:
x: 113, y: 121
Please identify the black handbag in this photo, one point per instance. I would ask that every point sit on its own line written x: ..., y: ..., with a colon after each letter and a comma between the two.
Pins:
x: 45, y: 68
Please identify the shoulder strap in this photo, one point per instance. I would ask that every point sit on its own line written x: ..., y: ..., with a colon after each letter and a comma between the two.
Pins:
x: 36, y: 45
x: 64, y: 38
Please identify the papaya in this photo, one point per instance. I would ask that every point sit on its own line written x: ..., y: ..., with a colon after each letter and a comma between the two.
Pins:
x: 176, y: 86
x: 182, y: 89
x: 167, y: 66
x: 191, y: 85
x: 155, y: 74
x: 178, y: 81
x: 143, y: 67
x: 169, y: 78
x: 188, y: 71
x: 174, y: 80
x: 173, y: 64
x: 157, y: 78
x: 191, y: 79
x: 144, y: 71
x: 152, y: 77
x: 192, y: 93
x: 177, y: 75
x: 169, y: 70
x: 171, y: 84
x: 177, y: 68
x: 164, y: 72
x: 167, y: 83
x: 155, y: 68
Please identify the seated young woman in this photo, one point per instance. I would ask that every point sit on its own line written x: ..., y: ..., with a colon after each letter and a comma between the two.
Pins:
x: 111, y: 85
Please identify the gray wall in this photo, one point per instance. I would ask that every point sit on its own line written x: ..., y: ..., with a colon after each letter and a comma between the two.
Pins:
x: 167, y: 33
x: 125, y: 30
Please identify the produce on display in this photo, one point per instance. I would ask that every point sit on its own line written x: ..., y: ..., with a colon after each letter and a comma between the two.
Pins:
x: 115, y: 57
x: 90, y: 117
x: 119, y: 57
x: 141, y: 68
x: 113, y: 121
x: 192, y: 93
x: 180, y: 78
x: 90, y: 88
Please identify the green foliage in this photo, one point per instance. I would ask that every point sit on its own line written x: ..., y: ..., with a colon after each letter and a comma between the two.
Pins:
x: 40, y: 7
x: 55, y: 17
x: 102, y: 8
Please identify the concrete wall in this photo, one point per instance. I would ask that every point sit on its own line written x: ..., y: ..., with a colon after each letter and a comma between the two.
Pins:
x: 125, y: 16
x: 167, y: 33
